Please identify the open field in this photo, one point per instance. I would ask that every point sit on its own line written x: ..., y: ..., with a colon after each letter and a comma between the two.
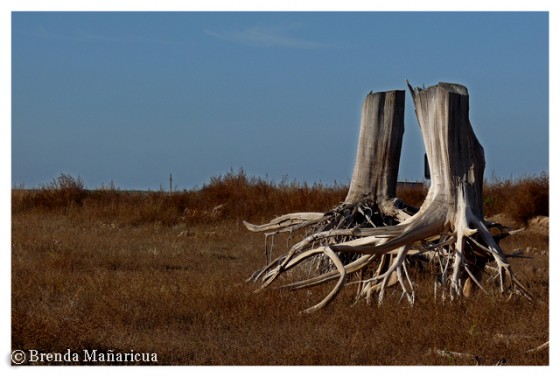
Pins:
x: 157, y: 272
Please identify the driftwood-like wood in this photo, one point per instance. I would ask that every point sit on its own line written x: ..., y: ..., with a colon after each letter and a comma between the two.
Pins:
x: 450, y: 221
x: 370, y: 201
x: 379, y: 148
x: 370, y: 235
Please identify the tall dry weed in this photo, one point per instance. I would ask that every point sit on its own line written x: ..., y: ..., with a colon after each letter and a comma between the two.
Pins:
x: 165, y: 272
x: 519, y: 199
x: 237, y: 196
x: 62, y: 192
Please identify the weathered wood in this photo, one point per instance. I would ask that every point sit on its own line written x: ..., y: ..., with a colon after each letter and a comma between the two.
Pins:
x: 286, y: 221
x: 377, y: 160
x: 453, y: 205
x: 449, y: 228
x: 455, y: 156
x: 368, y: 203
x: 379, y: 147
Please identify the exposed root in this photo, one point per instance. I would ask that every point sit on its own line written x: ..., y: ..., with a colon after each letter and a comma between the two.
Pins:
x: 340, y: 267
x: 346, y: 225
x: 348, y: 243
x: 286, y: 222
x: 373, y: 238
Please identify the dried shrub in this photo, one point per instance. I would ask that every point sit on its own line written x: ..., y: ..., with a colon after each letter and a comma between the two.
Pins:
x: 528, y: 198
x: 250, y: 198
x: 237, y: 196
x: 412, y: 193
x: 61, y: 193
x: 520, y: 199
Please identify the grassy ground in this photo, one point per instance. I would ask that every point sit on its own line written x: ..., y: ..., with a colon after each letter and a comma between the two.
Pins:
x: 164, y: 273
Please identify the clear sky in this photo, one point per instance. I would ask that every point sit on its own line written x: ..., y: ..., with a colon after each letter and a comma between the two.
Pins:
x: 130, y: 98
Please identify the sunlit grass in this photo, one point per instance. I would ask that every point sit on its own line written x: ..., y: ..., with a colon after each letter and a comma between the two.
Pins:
x: 159, y: 272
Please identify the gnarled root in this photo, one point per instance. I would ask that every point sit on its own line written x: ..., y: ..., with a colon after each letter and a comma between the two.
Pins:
x: 375, y: 239
x: 348, y: 225
x: 445, y: 233
x: 461, y: 253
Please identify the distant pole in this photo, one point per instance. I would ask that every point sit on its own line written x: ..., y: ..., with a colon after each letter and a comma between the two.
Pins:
x: 170, y: 183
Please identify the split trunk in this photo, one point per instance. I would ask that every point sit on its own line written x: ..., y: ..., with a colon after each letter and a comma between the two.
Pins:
x: 378, y: 233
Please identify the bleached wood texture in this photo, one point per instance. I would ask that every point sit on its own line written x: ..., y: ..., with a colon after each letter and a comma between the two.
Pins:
x: 452, y: 209
x: 449, y: 228
x: 379, y: 147
x: 370, y: 201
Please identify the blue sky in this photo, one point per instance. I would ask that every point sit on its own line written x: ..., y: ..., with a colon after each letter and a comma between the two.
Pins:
x: 130, y: 97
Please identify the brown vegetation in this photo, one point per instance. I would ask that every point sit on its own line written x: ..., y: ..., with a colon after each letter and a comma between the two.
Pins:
x: 159, y: 272
x: 520, y: 199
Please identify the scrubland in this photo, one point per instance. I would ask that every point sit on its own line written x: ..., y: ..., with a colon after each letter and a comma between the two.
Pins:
x: 165, y: 272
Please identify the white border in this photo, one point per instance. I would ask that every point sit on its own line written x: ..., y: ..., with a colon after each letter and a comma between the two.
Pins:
x: 241, y: 5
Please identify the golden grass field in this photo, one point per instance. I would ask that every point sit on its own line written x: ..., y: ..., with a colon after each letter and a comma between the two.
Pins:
x: 165, y: 273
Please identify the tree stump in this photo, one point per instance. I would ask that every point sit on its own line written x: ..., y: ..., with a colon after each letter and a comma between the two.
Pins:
x: 379, y: 147
x: 370, y: 201
x: 372, y: 234
x: 450, y: 222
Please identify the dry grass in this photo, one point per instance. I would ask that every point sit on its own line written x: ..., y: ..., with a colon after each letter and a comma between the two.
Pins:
x: 520, y: 199
x: 106, y: 269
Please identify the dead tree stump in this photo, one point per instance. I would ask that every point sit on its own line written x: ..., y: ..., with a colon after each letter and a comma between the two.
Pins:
x: 450, y: 222
x: 370, y: 201
x: 378, y: 234
x: 379, y: 147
